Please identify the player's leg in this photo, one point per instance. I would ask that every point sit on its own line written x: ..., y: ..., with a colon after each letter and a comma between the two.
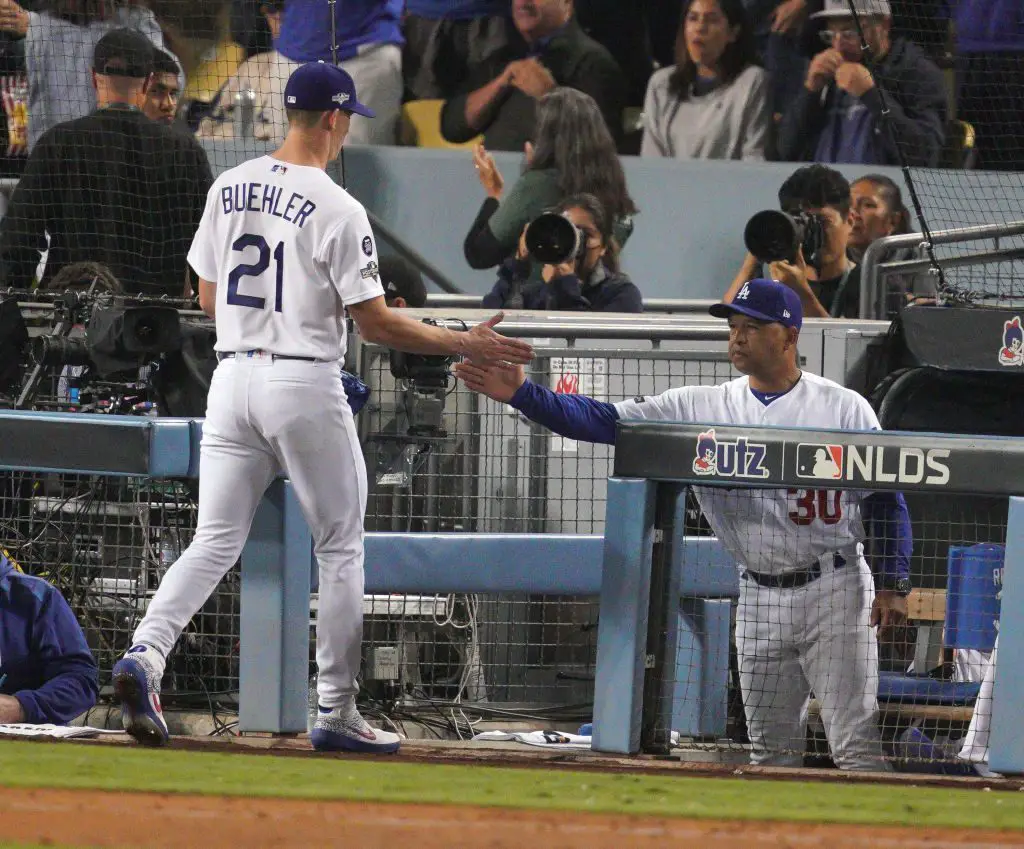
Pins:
x: 775, y: 692
x: 377, y: 73
x: 975, y: 745
x: 305, y: 415
x: 840, y: 659
x: 235, y: 468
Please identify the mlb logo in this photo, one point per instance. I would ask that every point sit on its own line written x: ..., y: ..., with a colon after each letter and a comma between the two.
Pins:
x: 820, y: 462
x: 279, y: 169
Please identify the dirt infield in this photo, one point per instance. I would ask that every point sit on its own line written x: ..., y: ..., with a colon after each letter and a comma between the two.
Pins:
x: 169, y: 821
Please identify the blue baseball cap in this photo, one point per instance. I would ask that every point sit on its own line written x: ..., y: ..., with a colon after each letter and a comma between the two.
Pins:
x: 319, y: 87
x: 765, y: 300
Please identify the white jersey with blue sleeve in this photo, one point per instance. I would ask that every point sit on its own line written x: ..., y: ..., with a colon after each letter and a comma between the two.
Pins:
x: 288, y: 249
x: 770, y: 530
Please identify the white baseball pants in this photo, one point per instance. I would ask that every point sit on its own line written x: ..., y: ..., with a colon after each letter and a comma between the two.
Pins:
x: 816, y: 638
x: 975, y: 745
x: 264, y: 417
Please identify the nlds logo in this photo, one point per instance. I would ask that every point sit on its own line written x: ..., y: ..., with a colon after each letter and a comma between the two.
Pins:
x: 738, y: 459
x: 872, y: 464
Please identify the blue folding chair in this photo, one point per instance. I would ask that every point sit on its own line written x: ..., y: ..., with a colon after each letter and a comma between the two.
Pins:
x: 971, y: 622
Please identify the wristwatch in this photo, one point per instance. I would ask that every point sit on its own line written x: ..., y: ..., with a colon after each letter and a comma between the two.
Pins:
x: 897, y: 585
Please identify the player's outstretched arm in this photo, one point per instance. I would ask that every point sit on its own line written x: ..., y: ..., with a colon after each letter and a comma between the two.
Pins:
x: 573, y: 416
x: 384, y: 326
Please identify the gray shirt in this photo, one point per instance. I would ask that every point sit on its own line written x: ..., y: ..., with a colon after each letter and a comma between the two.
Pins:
x: 58, y: 57
x: 729, y: 122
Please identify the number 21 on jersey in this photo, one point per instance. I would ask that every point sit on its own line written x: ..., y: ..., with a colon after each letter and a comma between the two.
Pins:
x: 811, y: 504
x: 256, y: 269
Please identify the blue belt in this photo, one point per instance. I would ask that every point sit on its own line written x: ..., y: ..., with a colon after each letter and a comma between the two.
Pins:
x: 793, y: 580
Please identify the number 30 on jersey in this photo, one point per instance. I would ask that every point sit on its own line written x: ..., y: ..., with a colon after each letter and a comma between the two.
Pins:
x: 811, y: 504
x: 256, y: 269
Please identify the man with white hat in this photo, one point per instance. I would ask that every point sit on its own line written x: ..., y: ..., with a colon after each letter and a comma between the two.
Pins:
x: 837, y: 116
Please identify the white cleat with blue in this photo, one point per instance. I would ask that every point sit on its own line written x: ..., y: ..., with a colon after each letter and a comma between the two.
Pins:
x: 137, y: 686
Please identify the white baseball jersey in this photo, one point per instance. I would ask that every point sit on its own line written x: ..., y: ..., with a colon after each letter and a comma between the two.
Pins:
x: 288, y: 248
x: 771, y: 530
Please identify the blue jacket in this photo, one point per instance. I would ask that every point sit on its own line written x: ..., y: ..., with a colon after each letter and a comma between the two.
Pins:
x: 989, y: 26
x: 306, y: 28
x: 45, y: 662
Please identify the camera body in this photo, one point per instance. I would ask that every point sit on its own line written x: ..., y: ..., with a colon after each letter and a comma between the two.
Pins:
x: 773, y: 236
x: 551, y: 238
x: 427, y: 377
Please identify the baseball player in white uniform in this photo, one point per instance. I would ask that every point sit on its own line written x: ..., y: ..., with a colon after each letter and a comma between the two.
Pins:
x: 281, y: 251
x: 808, y: 600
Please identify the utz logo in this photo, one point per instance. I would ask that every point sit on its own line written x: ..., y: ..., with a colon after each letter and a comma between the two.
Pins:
x: 1012, y: 352
x: 729, y: 459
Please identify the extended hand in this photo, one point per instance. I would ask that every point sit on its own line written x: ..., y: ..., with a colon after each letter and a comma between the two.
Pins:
x: 788, y: 16
x: 497, y: 383
x: 888, y: 612
x: 854, y: 79
x: 13, y: 18
x: 487, y: 348
x: 487, y: 171
x: 532, y: 78
x: 792, y: 274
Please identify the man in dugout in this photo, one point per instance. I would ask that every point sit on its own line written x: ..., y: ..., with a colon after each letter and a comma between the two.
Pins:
x: 112, y: 187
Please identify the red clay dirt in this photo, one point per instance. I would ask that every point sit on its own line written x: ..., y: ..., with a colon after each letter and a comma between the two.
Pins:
x: 168, y: 821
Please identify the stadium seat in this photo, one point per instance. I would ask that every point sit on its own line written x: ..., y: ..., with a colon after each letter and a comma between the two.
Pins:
x: 972, y: 613
x: 960, y: 150
x: 420, y: 126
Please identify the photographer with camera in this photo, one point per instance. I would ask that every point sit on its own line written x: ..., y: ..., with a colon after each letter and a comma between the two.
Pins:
x: 805, y: 245
x: 580, y: 257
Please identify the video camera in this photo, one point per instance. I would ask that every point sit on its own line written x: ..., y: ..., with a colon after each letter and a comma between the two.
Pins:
x: 427, y: 378
x: 771, y: 236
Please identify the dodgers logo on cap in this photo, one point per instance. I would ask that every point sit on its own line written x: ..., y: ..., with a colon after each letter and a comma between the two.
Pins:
x: 764, y: 300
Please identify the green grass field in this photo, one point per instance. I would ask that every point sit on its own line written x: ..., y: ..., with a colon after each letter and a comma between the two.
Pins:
x: 64, y: 765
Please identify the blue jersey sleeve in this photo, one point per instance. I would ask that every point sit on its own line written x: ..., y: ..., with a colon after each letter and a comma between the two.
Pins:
x: 572, y: 416
x: 890, y: 539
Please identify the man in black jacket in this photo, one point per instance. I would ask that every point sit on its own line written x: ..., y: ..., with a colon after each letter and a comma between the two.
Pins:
x: 113, y: 187
x: 550, y: 50
x: 837, y: 116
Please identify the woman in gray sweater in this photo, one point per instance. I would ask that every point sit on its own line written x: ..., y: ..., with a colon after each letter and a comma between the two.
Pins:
x: 714, y: 102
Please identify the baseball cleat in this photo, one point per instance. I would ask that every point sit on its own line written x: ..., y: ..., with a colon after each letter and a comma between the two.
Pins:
x: 344, y: 730
x: 137, y: 687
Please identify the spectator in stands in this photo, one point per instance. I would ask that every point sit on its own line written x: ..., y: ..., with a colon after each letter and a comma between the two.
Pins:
x: 713, y: 103
x: 265, y: 75
x: 369, y: 47
x: 876, y: 211
x: 990, y: 79
x: 402, y: 282
x: 164, y: 89
x: 593, y: 283
x: 500, y: 97
x: 59, y: 46
x: 112, y: 187
x: 446, y: 39
x: 47, y: 673
x: 573, y: 153
x: 837, y: 116
x: 833, y: 288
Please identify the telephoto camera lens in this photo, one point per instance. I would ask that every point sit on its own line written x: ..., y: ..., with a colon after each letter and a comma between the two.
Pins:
x: 553, y: 239
x: 773, y: 236
x: 60, y: 351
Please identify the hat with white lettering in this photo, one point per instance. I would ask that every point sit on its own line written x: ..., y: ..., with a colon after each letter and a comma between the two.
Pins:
x: 863, y: 8
x: 765, y: 300
x: 319, y: 87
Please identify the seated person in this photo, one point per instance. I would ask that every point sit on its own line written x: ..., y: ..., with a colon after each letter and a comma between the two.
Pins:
x: 837, y: 116
x: 572, y: 153
x: 713, y: 103
x: 592, y: 283
x: 832, y: 289
x: 47, y: 673
x: 402, y: 282
x: 548, y: 49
